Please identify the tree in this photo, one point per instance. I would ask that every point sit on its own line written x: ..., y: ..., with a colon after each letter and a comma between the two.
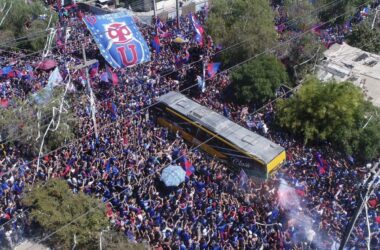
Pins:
x: 300, y: 14
x: 53, y: 205
x: 258, y: 80
x: 367, y: 143
x: 24, y: 20
x: 365, y: 38
x: 337, y: 11
x: 335, y: 112
x: 23, y: 125
x: 301, y: 54
x: 249, y: 22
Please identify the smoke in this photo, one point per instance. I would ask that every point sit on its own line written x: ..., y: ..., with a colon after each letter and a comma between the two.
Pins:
x: 300, y: 224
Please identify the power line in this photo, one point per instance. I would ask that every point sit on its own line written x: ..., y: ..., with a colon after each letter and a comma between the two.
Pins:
x: 321, y: 7
x: 84, y: 214
x: 238, y: 44
x: 149, y: 106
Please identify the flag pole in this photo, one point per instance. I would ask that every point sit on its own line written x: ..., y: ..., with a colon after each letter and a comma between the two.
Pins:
x: 155, y: 9
x: 204, y: 75
x: 89, y: 89
x: 177, y: 8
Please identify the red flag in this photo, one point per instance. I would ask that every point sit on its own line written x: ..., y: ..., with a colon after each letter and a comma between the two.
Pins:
x: 4, y: 103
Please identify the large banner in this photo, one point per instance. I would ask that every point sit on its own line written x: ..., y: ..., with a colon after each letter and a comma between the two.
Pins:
x: 118, y: 39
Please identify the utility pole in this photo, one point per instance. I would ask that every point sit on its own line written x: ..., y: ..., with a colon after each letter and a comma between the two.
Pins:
x: 85, y: 65
x: 368, y: 185
x: 177, y: 8
x: 154, y: 9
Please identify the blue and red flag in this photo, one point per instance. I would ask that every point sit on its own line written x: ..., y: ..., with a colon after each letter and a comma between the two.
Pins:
x: 104, y: 77
x: 321, y: 164
x: 113, y: 109
x: 198, y: 29
x: 119, y: 39
x: 6, y: 70
x: 187, y: 165
x: 112, y: 75
x: 94, y: 69
x: 186, y: 59
x: 212, y: 69
x: 177, y: 60
x: 365, y: 11
x: 29, y: 72
x: 156, y: 44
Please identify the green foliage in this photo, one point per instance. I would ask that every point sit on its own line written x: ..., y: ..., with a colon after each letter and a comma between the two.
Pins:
x: 22, y: 125
x: 335, y: 112
x: 365, y: 38
x: 258, y: 80
x: 302, y: 54
x: 367, y: 143
x: 234, y: 21
x: 37, y: 42
x: 22, y: 21
x: 338, y: 11
x: 300, y: 14
x: 54, y: 205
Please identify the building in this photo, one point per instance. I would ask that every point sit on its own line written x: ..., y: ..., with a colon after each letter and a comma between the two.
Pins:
x: 345, y: 63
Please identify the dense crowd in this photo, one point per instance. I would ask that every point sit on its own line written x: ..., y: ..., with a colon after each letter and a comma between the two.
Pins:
x: 307, y: 204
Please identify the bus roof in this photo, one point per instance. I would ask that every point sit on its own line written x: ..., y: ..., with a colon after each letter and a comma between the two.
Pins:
x: 246, y: 140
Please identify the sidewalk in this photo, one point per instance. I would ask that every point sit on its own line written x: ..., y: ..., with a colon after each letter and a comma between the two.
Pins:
x: 30, y: 245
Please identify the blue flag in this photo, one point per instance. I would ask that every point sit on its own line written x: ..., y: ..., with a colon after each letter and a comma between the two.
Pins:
x: 118, y: 38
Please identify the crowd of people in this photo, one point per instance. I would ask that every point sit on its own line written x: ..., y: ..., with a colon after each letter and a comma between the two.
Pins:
x: 215, y: 208
x: 328, y: 33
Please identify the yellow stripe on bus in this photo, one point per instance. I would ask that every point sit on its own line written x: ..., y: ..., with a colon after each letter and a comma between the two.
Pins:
x: 275, y: 163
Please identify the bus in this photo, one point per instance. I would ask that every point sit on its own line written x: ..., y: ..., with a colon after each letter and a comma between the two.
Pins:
x: 219, y: 136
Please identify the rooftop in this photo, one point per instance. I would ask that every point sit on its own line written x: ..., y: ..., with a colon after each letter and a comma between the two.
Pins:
x: 346, y: 63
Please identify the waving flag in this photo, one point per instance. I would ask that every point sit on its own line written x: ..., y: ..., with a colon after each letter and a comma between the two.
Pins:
x: 6, y: 70
x: 4, y: 103
x: 212, y: 69
x: 55, y: 79
x: 156, y: 44
x: 104, y: 77
x: 113, y: 110
x: 29, y: 72
x: 198, y: 29
x: 94, y: 69
x: 187, y: 165
x: 43, y: 96
x: 365, y: 11
x: 186, y: 58
x: 118, y: 38
x: 321, y: 163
